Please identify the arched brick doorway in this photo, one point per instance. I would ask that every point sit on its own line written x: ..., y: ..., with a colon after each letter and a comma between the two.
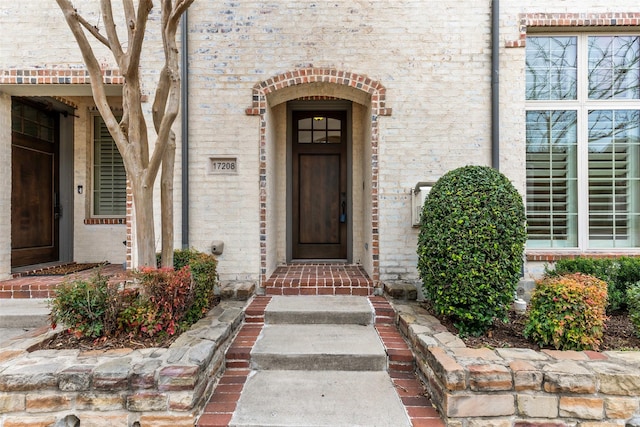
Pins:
x: 269, y: 99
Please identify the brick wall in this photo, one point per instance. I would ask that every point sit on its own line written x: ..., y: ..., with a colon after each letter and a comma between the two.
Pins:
x: 87, y: 231
x: 5, y: 190
x: 433, y: 59
x: 252, y: 42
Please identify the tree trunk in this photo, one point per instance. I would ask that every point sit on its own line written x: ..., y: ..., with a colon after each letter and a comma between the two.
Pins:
x: 144, y: 223
x: 166, y: 201
x: 130, y: 134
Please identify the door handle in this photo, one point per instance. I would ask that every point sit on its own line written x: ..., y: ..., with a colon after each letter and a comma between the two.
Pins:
x: 343, y: 208
x: 57, y: 207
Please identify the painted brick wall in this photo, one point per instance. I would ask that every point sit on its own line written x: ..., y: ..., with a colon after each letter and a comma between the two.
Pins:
x: 420, y: 60
x: 5, y: 190
x: 35, y: 47
x: 86, y: 234
x: 432, y: 57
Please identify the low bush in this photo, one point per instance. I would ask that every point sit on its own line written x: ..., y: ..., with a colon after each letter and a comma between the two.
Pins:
x: 162, y: 301
x: 169, y: 294
x: 619, y: 273
x: 203, y: 270
x: 568, y: 312
x: 86, y: 307
x: 633, y: 304
x: 470, y: 246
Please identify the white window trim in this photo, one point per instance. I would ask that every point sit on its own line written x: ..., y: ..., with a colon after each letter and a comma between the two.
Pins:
x: 582, y: 104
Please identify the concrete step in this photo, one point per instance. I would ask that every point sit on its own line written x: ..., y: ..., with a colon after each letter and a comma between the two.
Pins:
x: 23, y: 313
x: 319, y: 347
x: 319, y: 309
x: 319, y: 398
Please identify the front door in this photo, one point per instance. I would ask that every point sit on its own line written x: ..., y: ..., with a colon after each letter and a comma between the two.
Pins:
x: 34, y: 192
x: 319, y: 185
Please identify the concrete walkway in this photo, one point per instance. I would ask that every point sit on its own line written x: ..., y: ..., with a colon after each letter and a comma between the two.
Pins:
x: 318, y: 361
x: 20, y: 316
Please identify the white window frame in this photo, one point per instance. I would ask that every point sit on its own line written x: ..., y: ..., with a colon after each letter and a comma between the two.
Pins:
x: 582, y: 104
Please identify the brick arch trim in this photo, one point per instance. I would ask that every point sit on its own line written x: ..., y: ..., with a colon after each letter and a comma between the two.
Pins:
x: 331, y: 76
x: 303, y: 76
x: 567, y: 20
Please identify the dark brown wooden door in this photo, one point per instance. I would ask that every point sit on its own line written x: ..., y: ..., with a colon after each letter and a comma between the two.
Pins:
x: 319, y: 185
x: 34, y: 225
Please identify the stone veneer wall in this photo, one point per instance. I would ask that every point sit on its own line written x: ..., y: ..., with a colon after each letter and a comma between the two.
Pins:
x: 148, y: 387
x: 520, y: 387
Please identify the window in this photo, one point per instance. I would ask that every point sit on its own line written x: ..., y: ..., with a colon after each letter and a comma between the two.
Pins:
x: 583, y: 141
x: 109, y: 178
x: 319, y: 129
x: 30, y: 121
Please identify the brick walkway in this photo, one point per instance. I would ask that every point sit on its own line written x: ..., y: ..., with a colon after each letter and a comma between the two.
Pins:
x: 319, y: 279
x: 219, y: 411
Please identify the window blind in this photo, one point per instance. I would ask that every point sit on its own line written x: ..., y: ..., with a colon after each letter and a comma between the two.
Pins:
x: 109, y: 177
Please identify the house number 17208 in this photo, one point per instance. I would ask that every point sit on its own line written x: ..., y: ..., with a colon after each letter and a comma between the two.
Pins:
x: 223, y: 166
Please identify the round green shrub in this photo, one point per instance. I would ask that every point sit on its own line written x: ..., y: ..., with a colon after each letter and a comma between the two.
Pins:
x: 470, y: 247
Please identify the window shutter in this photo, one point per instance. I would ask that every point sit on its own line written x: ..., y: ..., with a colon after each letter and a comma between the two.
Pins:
x: 613, y: 177
x: 551, y: 179
x: 110, y: 180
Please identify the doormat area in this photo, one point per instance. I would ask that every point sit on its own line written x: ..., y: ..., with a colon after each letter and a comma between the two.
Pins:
x: 61, y: 270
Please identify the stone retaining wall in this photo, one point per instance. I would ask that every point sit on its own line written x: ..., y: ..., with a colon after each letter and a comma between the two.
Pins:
x: 149, y: 387
x: 520, y: 387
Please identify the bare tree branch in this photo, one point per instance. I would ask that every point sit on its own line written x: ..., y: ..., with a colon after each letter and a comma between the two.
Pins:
x: 166, y: 200
x: 135, y: 43
x: 130, y: 134
x: 93, y: 30
x: 130, y: 16
x: 95, y: 72
x: 110, y: 28
x: 170, y: 76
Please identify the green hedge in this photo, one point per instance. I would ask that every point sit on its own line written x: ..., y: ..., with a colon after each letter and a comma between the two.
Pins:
x: 470, y: 246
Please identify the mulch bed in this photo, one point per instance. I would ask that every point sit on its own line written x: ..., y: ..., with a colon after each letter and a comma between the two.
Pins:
x: 619, y: 333
x: 67, y: 341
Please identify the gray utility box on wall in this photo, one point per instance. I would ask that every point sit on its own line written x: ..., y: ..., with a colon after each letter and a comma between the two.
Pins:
x: 419, y: 195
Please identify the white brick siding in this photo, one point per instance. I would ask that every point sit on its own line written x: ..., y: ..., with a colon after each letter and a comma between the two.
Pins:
x: 5, y: 189
x: 433, y: 58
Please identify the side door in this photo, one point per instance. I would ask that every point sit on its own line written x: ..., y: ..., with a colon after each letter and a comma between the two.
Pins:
x: 34, y: 186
